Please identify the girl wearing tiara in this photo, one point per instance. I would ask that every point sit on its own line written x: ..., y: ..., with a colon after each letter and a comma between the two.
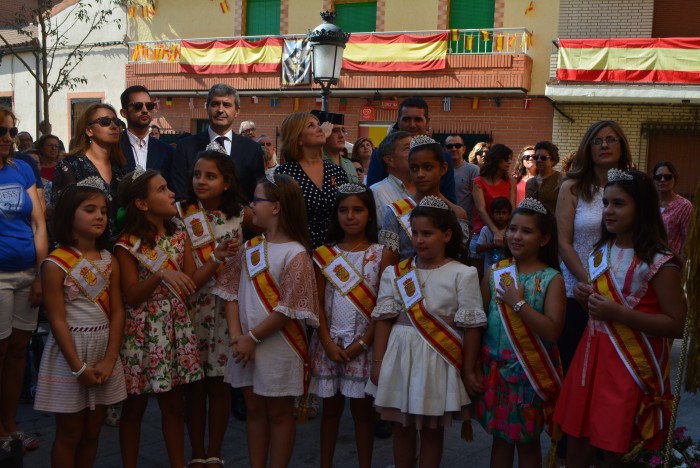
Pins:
x: 616, y: 395
x: 347, y: 275
x: 426, y: 162
x: 521, y: 375
x: 421, y: 357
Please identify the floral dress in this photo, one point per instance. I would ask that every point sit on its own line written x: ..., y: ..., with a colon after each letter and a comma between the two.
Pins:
x: 159, y: 350
x: 509, y: 408
x: 207, y: 305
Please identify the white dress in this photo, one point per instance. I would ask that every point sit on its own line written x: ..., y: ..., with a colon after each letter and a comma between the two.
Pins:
x: 345, y: 324
x: 416, y: 385
x: 277, y: 370
x: 57, y: 390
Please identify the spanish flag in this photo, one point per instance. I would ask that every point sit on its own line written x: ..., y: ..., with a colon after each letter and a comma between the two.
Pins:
x: 530, y: 7
x: 224, y: 7
x: 136, y: 52
x: 499, y: 42
x: 455, y: 34
x: 231, y: 56
x: 469, y: 43
x: 485, y: 35
x: 395, y: 52
x: 132, y: 11
x: 631, y: 60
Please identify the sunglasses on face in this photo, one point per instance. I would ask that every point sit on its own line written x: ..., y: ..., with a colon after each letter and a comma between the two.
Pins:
x: 13, y: 131
x: 137, y: 106
x: 481, y: 152
x: 454, y: 145
x: 528, y: 157
x: 540, y: 157
x: 106, y: 121
x: 360, y: 169
x: 660, y: 177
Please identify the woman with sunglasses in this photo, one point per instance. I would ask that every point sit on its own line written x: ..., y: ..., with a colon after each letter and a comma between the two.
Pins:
x: 676, y: 211
x: 478, y: 154
x: 96, y: 153
x: 546, y: 184
x: 524, y: 171
x: 362, y: 151
x: 23, y: 246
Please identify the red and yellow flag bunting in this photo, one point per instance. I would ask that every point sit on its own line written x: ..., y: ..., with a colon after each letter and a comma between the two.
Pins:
x: 645, y: 60
x: 231, y: 56
x: 395, y: 52
x: 157, y: 52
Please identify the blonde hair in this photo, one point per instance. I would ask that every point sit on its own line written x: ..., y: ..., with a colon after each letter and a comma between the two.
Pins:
x: 81, y: 142
x: 292, y: 127
x: 477, y: 147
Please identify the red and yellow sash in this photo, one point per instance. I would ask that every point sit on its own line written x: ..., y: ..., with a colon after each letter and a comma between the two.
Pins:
x: 90, y: 280
x: 542, y: 367
x: 199, y: 231
x: 635, y: 351
x: 269, y: 295
x: 341, y: 274
x: 153, y: 258
x: 402, y: 209
x: 438, y: 334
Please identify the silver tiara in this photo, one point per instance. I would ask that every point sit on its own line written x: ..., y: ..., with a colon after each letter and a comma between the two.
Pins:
x: 351, y: 188
x: 421, y: 140
x: 616, y: 175
x: 215, y: 146
x: 94, y: 182
x: 532, y: 204
x: 138, y: 172
x: 271, y: 178
x: 432, y: 201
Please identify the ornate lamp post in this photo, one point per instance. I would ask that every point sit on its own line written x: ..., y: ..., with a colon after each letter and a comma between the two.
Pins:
x: 327, y: 45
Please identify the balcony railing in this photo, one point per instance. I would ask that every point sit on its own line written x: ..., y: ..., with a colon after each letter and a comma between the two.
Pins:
x: 492, y: 41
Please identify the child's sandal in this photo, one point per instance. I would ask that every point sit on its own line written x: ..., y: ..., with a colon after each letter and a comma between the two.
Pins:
x: 29, y: 442
x: 197, y: 461
x: 214, y: 461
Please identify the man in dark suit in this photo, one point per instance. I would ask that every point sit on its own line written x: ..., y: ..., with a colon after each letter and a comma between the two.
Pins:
x: 139, y: 148
x: 223, y: 105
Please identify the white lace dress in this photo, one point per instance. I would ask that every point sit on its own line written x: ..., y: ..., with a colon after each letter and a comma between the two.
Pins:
x: 416, y: 385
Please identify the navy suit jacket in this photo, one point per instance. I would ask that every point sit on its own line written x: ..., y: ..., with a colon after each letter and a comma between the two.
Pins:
x: 247, y: 157
x: 160, y: 156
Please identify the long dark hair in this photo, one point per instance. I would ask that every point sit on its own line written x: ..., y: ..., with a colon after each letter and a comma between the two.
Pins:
x: 336, y: 234
x: 648, y: 232
x: 232, y: 201
x: 443, y: 220
x: 582, y: 167
x: 64, y: 214
x: 292, y: 214
x: 494, y: 156
x: 135, y: 221
x: 546, y: 224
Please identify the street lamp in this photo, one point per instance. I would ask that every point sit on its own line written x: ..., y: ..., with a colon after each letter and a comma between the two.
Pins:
x: 327, y: 45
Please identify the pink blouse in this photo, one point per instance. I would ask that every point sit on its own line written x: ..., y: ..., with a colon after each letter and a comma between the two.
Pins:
x: 676, y: 217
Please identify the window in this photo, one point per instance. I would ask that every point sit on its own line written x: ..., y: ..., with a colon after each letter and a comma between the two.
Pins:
x: 356, y: 17
x: 471, y: 14
x: 263, y: 17
x: 6, y: 101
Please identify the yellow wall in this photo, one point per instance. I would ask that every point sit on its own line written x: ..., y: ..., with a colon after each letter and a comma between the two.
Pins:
x: 408, y: 15
x: 543, y: 22
x: 183, y: 19
x: 304, y: 15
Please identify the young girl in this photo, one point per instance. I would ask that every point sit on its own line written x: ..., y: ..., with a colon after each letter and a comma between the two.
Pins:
x: 616, y: 395
x: 347, y: 275
x: 212, y: 213
x: 420, y: 357
x: 80, y: 370
x: 275, y: 296
x: 426, y: 161
x: 525, y: 298
x: 159, y: 351
x: 500, y: 213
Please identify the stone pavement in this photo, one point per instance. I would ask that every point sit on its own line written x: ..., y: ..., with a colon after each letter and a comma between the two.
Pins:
x: 306, y: 453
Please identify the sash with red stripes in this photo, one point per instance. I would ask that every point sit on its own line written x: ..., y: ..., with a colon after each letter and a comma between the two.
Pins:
x: 542, y: 367
x: 255, y: 255
x: 345, y: 278
x: 88, y: 277
x: 153, y: 258
x: 402, y: 210
x: 199, y: 231
x: 433, y: 329
x: 635, y: 351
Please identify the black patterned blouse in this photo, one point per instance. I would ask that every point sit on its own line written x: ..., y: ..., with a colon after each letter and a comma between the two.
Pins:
x: 318, y: 202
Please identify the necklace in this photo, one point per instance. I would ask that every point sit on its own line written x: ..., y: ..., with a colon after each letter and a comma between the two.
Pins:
x: 352, y: 249
x: 431, y: 269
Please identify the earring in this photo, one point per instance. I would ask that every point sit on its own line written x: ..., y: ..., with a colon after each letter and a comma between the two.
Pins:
x: 89, y: 141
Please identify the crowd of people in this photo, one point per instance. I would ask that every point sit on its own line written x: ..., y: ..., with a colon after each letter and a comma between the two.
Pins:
x: 420, y: 281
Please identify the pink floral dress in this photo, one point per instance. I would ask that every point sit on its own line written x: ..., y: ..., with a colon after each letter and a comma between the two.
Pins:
x: 159, y: 350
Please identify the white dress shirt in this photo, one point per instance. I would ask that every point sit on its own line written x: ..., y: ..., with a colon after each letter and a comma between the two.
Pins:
x: 140, y: 148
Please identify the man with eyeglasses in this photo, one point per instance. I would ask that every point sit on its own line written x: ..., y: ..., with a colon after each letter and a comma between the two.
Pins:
x: 139, y: 148
x: 223, y: 105
x: 335, y: 131
x: 464, y: 174
x: 546, y: 184
x: 24, y: 141
x: 247, y: 129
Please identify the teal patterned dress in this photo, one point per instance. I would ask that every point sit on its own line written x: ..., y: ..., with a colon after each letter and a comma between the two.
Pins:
x: 509, y: 408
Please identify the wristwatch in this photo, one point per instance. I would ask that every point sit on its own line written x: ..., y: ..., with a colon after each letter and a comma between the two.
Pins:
x: 519, y: 305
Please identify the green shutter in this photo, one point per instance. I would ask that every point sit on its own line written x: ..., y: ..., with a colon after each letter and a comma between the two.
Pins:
x: 356, y: 17
x: 263, y: 17
x: 471, y: 14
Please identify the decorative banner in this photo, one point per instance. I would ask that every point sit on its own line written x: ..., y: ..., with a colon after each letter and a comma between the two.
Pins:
x: 499, y: 42
x: 475, y: 103
x: 485, y: 35
x: 296, y: 62
x: 232, y: 56
x: 530, y: 7
x: 390, y: 104
x: 224, y: 6
x: 367, y: 113
x: 395, y: 52
x: 660, y: 60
